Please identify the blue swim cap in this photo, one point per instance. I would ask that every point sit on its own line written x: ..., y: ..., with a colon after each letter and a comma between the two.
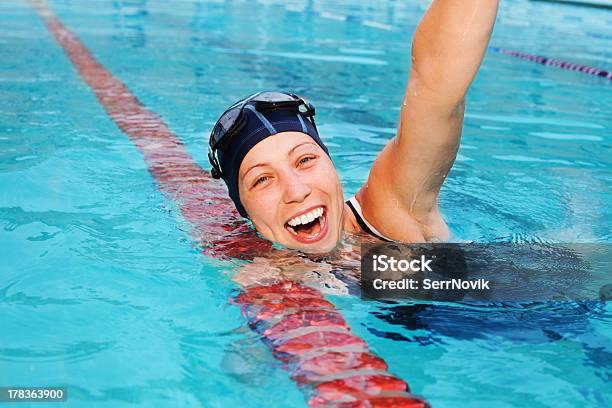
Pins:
x: 258, y: 126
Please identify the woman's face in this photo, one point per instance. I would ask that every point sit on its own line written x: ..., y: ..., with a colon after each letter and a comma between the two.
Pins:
x: 291, y: 191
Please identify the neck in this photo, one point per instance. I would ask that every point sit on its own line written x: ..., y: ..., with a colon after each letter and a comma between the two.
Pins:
x: 349, y: 223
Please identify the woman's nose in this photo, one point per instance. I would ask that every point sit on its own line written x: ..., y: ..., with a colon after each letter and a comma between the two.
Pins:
x: 295, y: 189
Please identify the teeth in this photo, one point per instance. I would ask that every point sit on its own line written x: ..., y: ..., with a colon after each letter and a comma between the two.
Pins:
x: 306, y: 218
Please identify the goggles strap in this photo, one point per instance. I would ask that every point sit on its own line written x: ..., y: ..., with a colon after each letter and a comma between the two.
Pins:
x: 261, y: 118
x: 215, y: 172
x: 304, y: 129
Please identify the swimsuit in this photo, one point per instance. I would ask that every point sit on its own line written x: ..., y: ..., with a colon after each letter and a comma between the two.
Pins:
x: 363, y: 223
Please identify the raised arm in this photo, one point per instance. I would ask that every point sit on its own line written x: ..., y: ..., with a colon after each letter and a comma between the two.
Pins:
x: 448, y: 47
x: 400, y: 197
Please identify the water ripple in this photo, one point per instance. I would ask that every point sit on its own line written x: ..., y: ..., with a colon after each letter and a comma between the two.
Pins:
x: 77, y: 351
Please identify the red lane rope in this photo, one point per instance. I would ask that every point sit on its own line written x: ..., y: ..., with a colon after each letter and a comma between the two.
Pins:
x: 304, y: 330
x: 202, y: 200
x: 311, y: 338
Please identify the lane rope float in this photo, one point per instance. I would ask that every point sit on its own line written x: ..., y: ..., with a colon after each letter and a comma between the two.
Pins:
x: 585, y: 69
x: 355, y: 19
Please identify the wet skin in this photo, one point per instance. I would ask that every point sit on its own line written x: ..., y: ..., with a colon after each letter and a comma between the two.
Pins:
x: 288, y: 175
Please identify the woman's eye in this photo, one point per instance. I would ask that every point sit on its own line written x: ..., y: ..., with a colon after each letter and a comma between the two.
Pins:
x: 306, y: 159
x: 260, y: 180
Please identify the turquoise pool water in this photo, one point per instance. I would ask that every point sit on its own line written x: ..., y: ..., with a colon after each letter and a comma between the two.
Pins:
x: 102, y: 288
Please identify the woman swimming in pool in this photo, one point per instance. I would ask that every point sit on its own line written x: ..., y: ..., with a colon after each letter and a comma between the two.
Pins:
x: 278, y: 172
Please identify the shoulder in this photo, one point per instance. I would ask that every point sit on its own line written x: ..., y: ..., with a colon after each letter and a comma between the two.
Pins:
x: 393, y: 220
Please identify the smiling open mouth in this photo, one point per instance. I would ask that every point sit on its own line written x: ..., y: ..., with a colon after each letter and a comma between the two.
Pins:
x: 308, y: 227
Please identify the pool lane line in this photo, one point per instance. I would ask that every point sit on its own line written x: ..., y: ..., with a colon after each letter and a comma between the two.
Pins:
x: 202, y: 200
x: 585, y: 69
x: 335, y: 365
x: 580, y: 3
x: 350, y: 18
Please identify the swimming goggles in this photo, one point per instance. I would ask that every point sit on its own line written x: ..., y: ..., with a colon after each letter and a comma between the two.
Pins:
x: 232, y: 121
